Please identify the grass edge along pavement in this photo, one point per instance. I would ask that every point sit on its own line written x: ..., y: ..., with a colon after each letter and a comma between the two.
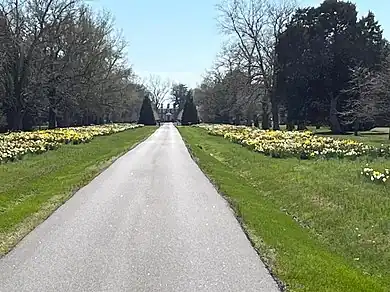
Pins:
x: 34, y: 187
x: 299, y: 258
x: 234, y: 207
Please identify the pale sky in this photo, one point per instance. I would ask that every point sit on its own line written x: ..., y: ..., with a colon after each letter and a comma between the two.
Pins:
x: 179, y: 39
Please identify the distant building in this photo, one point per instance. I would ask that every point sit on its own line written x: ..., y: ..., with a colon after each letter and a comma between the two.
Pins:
x: 168, y: 114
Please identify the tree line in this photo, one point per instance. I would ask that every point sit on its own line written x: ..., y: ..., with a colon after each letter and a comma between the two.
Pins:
x: 299, y: 66
x: 62, y: 64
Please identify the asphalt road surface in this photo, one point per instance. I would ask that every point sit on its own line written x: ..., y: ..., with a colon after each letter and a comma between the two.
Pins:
x: 150, y: 222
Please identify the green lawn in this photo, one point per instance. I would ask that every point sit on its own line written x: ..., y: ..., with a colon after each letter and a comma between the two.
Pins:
x: 32, y: 188
x: 318, y: 224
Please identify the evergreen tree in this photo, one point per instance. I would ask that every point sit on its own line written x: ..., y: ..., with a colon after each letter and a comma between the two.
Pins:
x: 179, y: 93
x: 190, y: 113
x: 146, y: 115
x: 371, y: 44
x: 315, y: 55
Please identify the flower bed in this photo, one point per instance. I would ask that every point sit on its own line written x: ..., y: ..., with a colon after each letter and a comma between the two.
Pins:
x: 16, y: 144
x: 303, y: 145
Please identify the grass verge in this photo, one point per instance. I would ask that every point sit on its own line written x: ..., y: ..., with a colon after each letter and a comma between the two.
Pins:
x: 32, y: 188
x: 317, y: 224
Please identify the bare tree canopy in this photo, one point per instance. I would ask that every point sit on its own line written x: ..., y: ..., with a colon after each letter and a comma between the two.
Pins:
x: 62, y: 64
x: 158, y: 89
x: 371, y: 91
x: 254, y: 26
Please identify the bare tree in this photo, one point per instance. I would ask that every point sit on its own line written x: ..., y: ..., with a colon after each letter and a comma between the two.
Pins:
x: 244, y: 93
x: 370, y: 100
x: 255, y: 26
x: 158, y: 88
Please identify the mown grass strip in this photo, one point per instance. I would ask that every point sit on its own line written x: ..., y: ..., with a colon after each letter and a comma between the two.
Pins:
x: 32, y: 188
x: 319, y: 225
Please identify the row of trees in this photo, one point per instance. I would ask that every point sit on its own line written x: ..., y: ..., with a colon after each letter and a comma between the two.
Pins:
x: 318, y: 65
x: 61, y: 65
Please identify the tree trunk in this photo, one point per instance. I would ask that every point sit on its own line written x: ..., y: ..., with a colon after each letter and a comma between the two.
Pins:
x: 256, y: 121
x: 265, y: 117
x: 301, y: 126
x: 356, y: 128
x: 290, y: 126
x: 236, y: 120
x: 275, y: 115
x: 66, y: 121
x: 17, y: 124
x: 52, y: 118
x: 333, y: 119
x: 28, y: 121
x: 265, y: 122
x: 17, y: 112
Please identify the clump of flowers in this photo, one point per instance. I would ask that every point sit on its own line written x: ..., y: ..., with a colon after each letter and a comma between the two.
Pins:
x: 376, y: 175
x: 303, y: 145
x: 16, y: 144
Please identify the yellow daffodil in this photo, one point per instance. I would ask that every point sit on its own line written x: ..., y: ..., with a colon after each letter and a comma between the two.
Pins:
x: 294, y: 143
x: 15, y: 145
